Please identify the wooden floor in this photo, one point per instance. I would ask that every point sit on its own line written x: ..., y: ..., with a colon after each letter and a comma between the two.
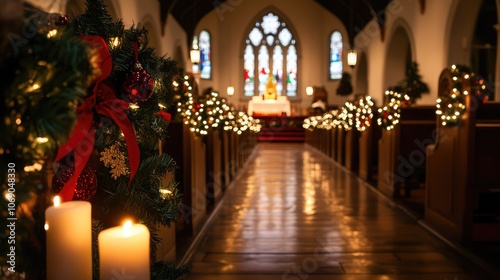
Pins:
x: 294, y: 214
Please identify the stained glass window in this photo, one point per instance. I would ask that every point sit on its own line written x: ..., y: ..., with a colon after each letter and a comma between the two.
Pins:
x: 278, y: 68
x: 291, y: 69
x: 336, y: 55
x: 205, y: 62
x: 263, y: 68
x: 249, y: 73
x: 270, y: 48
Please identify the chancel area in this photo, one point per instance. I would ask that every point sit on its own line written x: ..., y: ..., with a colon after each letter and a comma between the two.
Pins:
x: 237, y: 139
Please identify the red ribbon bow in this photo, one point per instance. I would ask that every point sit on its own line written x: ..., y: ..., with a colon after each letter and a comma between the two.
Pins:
x: 103, y: 101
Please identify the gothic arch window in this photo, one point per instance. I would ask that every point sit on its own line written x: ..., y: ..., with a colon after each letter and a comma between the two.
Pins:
x: 205, y: 55
x: 336, y: 66
x: 270, y: 49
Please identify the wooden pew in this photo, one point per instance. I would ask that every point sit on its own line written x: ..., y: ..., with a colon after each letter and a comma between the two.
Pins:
x: 401, y: 151
x: 214, y: 166
x: 341, y: 138
x: 352, y: 149
x: 333, y: 143
x: 368, y: 151
x: 225, y: 160
x: 463, y: 182
x: 189, y: 153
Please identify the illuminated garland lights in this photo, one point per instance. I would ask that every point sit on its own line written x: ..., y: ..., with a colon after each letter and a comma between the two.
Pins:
x: 358, y: 113
x: 364, y: 113
x: 451, y: 108
x: 185, y: 108
x: 238, y: 122
x: 191, y: 113
x: 212, y: 112
x: 329, y: 120
x: 311, y: 123
x: 389, y: 114
x: 346, y: 116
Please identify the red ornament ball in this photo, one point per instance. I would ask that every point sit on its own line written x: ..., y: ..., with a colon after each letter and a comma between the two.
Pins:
x: 139, y: 85
x: 62, y: 20
x: 86, y: 185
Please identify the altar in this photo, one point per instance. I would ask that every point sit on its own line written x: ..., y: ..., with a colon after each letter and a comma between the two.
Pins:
x: 269, y: 107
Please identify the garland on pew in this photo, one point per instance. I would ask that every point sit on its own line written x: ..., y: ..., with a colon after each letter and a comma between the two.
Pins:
x: 347, y: 116
x: 311, y: 123
x: 389, y: 114
x: 452, y: 107
x: 238, y: 121
x: 329, y: 120
x: 353, y: 114
x: 364, y: 113
x: 210, y: 112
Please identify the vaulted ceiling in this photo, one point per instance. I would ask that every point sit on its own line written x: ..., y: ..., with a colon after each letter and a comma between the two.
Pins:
x: 353, y: 13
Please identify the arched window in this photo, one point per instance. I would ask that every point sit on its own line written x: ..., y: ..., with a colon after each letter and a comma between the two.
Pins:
x: 336, y: 55
x: 270, y: 48
x: 205, y: 61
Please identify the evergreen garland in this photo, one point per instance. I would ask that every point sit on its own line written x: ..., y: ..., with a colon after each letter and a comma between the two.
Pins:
x: 144, y: 200
x: 347, y: 116
x: 364, y: 113
x: 451, y: 108
x: 45, y: 73
x: 412, y: 85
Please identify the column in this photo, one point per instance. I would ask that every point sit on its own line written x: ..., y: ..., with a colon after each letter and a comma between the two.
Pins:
x: 496, y: 84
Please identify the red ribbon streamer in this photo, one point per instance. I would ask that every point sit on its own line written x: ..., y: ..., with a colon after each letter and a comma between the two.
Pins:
x: 165, y: 116
x: 103, y: 100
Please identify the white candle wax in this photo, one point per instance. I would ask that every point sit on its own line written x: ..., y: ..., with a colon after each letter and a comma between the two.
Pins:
x: 124, y: 252
x: 69, y: 241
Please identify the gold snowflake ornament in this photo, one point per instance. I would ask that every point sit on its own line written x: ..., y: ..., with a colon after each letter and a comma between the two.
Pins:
x: 116, y: 160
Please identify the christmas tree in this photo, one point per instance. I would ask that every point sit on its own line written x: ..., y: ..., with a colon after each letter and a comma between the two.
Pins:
x: 113, y: 157
x: 412, y: 85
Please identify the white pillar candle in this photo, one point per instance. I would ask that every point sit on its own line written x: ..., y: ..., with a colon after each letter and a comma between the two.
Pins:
x: 124, y: 252
x: 68, y: 227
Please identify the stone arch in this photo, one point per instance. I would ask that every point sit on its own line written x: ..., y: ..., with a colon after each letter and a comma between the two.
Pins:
x: 460, y: 29
x: 400, y: 50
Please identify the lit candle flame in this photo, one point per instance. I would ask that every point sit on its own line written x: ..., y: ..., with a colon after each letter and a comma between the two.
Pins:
x: 127, y: 227
x: 57, y: 201
x: 46, y: 226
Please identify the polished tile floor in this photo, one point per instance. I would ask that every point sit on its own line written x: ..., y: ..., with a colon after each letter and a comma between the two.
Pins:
x: 294, y: 214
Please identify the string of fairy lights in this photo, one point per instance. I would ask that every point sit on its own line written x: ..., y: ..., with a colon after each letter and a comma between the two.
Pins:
x: 359, y: 114
x: 451, y: 107
x: 390, y: 114
x: 353, y: 115
x: 364, y: 113
x: 213, y: 112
